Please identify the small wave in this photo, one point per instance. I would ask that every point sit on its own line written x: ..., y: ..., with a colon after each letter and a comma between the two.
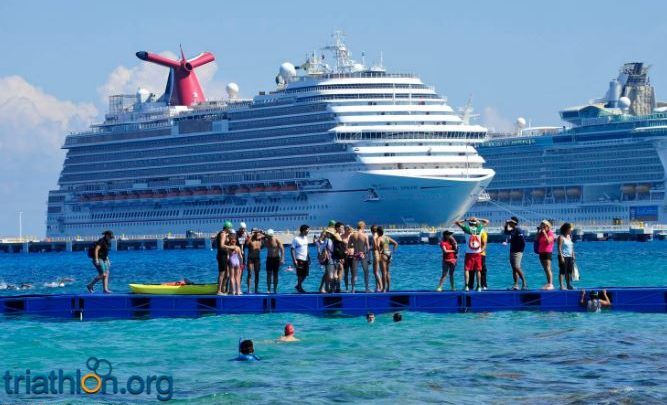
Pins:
x: 54, y: 284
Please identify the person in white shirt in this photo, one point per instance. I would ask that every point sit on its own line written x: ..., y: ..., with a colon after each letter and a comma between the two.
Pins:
x: 300, y: 257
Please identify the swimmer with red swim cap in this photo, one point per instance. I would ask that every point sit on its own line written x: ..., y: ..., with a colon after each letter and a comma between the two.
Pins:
x: 289, y: 334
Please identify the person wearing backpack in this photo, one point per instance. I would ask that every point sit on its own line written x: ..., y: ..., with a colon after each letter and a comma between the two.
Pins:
x: 99, y: 253
x: 473, y: 227
x: 325, y: 253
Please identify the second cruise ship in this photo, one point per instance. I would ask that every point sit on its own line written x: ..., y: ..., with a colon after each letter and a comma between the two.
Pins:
x: 344, y: 142
x: 605, y: 168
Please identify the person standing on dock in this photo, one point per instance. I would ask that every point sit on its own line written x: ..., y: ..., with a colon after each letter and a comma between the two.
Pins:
x: 349, y: 256
x: 473, y: 227
x: 376, y: 258
x: 275, y: 257
x: 222, y: 250
x: 517, y: 241
x: 242, y: 239
x: 384, y: 247
x: 484, y: 236
x: 301, y: 257
x: 255, y: 244
x: 565, y: 256
x: 99, y: 252
x: 449, y: 249
x: 544, y: 241
x: 360, y: 247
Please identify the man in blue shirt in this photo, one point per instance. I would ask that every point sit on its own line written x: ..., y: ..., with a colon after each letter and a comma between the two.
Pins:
x: 517, y: 241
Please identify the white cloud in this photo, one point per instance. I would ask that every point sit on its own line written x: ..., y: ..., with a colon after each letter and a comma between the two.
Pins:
x: 126, y: 80
x: 33, y: 126
x: 495, y: 122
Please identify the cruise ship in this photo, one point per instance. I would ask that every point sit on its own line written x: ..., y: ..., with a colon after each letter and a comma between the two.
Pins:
x: 605, y: 167
x: 341, y: 141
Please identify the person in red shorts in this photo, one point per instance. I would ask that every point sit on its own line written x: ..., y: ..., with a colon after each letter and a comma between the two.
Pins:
x: 473, y: 227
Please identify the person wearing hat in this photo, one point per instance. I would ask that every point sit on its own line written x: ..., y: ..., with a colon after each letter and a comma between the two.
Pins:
x: 223, y: 248
x: 449, y: 248
x: 596, y: 301
x: 275, y: 257
x: 99, y: 252
x: 473, y: 227
x: 544, y: 241
x: 288, y: 335
x: 517, y: 241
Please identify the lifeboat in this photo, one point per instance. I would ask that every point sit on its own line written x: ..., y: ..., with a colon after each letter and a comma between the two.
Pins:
x: 257, y: 188
x: 173, y: 193
x: 215, y: 191
x: 184, y: 193
x: 199, y: 192
x: 145, y: 194
x: 516, y: 194
x: 643, y: 188
x: 628, y: 188
x: 503, y: 195
x: 108, y: 197
x: 573, y: 192
x: 244, y: 189
x: 290, y: 187
x: 537, y: 193
x: 273, y: 187
x: 559, y: 193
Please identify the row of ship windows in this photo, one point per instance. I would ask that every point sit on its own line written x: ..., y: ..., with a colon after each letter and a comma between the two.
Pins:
x: 608, y: 172
x: 263, y: 219
x: 220, y: 137
x: 210, y: 179
x: 556, y: 165
x: 304, y: 141
x: 416, y: 96
x: 206, y: 211
x: 357, y: 86
x: 240, y: 156
x: 602, y: 137
x: 277, y: 111
x: 570, y: 211
x: 575, y: 180
x: 276, y: 122
x: 371, y: 135
x: 175, y: 170
x: 578, y: 154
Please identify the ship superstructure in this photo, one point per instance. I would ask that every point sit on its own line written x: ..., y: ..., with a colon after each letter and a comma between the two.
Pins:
x: 606, y: 168
x: 344, y: 142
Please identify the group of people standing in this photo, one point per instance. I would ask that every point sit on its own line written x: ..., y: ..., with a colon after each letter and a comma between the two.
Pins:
x: 341, y: 251
x: 475, y: 253
x: 238, y: 250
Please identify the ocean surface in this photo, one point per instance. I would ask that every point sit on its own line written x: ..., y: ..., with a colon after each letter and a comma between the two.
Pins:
x: 525, y: 357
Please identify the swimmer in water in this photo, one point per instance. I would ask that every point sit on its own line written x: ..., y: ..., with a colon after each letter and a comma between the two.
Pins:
x: 595, y: 302
x: 289, y: 334
x: 398, y: 317
x: 247, y: 351
x: 370, y: 317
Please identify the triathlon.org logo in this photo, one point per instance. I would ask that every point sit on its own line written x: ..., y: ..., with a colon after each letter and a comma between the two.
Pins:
x: 98, y: 379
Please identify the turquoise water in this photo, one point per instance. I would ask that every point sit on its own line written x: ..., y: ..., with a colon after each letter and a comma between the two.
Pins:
x: 528, y: 357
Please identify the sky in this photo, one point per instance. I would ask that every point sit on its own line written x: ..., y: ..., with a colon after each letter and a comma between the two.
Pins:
x: 60, y: 60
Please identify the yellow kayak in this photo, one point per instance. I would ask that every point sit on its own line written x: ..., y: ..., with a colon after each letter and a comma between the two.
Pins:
x: 188, y: 289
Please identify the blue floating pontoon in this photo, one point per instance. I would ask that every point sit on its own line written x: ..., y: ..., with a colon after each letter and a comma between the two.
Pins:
x: 139, y: 306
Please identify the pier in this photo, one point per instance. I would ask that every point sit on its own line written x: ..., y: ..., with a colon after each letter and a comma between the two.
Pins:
x: 139, y: 306
x: 414, y: 236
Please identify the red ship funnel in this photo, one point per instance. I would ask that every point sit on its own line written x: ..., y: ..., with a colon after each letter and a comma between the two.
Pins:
x: 187, y: 90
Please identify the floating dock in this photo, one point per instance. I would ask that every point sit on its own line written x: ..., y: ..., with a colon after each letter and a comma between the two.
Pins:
x: 136, y: 306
